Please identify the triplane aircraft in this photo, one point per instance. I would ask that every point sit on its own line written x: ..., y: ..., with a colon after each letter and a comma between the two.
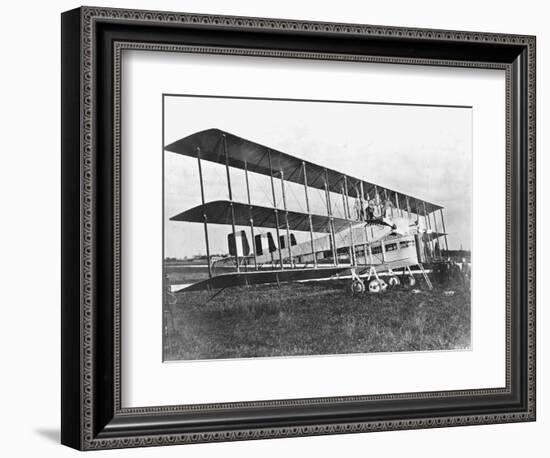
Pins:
x: 383, y: 232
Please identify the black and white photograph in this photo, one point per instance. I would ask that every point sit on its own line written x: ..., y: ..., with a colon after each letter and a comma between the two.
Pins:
x: 314, y: 227
x: 275, y: 229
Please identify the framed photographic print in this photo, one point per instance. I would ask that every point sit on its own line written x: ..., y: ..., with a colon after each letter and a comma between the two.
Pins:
x: 276, y: 228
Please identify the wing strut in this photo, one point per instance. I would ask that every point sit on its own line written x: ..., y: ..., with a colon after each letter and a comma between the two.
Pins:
x: 438, y: 246
x: 331, y: 222
x: 275, y: 209
x: 231, y: 202
x: 250, y: 217
x: 309, y: 215
x: 363, y: 203
x: 377, y: 200
x: 288, y: 242
x: 444, y: 230
x: 353, y: 260
x: 205, y: 218
x: 428, y: 227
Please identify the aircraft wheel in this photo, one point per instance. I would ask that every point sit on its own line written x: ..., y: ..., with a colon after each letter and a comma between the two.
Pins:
x: 411, y: 281
x: 394, y: 281
x: 374, y: 286
x: 357, y: 287
x: 383, y: 286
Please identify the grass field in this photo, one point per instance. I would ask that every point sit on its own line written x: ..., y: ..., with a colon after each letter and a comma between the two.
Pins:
x: 314, y: 319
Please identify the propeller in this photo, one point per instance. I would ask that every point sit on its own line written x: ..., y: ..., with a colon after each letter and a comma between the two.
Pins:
x: 401, y: 227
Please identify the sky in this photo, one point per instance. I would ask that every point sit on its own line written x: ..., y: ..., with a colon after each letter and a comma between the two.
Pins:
x: 424, y: 151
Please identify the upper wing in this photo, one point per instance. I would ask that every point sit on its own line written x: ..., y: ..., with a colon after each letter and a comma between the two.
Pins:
x: 219, y: 212
x: 261, y: 159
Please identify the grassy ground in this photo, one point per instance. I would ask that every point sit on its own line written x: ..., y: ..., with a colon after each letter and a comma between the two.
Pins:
x: 314, y: 319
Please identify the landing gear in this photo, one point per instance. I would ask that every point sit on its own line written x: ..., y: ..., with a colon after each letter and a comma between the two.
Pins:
x: 394, y: 281
x: 374, y: 286
x: 357, y: 285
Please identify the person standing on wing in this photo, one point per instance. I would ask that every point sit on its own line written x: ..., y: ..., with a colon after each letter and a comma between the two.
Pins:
x: 358, y: 209
x: 371, y: 205
x: 388, y: 205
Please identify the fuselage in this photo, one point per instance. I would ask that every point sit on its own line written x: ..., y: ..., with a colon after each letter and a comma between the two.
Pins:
x: 391, y: 242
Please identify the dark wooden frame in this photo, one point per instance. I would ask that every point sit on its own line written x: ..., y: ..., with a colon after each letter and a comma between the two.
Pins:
x: 92, y: 417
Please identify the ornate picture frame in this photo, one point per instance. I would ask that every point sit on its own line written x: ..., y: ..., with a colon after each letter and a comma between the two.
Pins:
x: 93, y: 416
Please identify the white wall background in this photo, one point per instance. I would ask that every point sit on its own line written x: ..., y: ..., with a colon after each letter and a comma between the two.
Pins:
x: 30, y: 241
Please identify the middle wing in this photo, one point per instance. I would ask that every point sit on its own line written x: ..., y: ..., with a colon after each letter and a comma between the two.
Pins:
x: 219, y: 212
